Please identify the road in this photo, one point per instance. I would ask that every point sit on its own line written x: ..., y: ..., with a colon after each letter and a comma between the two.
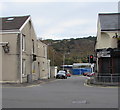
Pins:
x: 61, y: 93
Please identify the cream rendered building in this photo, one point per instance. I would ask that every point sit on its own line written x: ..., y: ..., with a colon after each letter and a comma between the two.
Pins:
x: 106, y: 30
x: 43, y: 62
x: 108, y: 44
x: 20, y: 59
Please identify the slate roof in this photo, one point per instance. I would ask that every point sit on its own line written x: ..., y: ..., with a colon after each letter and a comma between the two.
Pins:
x: 13, y: 23
x: 109, y: 21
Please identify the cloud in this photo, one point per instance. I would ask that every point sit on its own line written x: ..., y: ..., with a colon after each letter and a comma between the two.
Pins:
x: 55, y: 30
x: 74, y: 22
x: 64, y: 25
x: 60, y: 0
x: 65, y: 29
x: 71, y: 24
x: 41, y: 21
x: 60, y: 20
x: 2, y: 7
x: 73, y: 34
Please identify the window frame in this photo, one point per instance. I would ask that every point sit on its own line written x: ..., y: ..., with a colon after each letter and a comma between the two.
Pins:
x: 33, y: 46
x: 23, y: 67
x: 23, y: 43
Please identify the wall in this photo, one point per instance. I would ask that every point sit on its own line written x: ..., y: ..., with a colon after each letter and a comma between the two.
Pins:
x: 53, y: 71
x: 31, y: 67
x: 105, y: 39
x: 42, y: 59
x: 0, y: 84
x: 10, y: 61
x: 0, y: 59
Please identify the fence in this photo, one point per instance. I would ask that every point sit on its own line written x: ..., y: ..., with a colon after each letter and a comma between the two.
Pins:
x: 107, y: 78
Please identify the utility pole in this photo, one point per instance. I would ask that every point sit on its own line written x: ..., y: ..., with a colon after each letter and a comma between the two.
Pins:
x: 63, y: 60
x: 53, y: 58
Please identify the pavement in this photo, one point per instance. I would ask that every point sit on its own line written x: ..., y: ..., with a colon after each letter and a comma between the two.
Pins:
x: 25, y: 84
x: 90, y: 81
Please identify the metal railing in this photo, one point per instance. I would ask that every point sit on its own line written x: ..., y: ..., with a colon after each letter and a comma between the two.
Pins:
x: 111, y: 78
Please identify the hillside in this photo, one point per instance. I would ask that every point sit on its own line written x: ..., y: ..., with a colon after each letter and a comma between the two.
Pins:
x: 75, y: 50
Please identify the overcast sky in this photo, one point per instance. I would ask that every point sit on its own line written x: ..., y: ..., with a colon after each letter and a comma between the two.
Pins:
x: 60, y: 20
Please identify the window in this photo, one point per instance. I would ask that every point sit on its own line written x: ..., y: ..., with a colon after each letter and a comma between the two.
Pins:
x: 45, y: 51
x: 30, y: 24
x: 23, y: 67
x: 33, y: 48
x: 10, y: 19
x: 23, y: 42
x: 119, y: 44
x: 33, y: 67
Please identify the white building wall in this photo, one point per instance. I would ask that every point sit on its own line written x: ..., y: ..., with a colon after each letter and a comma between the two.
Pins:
x: 53, y: 71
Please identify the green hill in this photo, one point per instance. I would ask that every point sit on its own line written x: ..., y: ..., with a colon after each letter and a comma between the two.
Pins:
x: 75, y: 50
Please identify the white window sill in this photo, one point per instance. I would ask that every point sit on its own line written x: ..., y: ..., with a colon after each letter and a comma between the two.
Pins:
x: 24, y: 75
x: 23, y: 50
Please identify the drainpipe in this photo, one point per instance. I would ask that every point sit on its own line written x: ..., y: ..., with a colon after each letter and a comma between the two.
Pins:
x: 20, y: 57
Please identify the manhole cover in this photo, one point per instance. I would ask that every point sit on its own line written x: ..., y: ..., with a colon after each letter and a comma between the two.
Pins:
x: 79, y: 102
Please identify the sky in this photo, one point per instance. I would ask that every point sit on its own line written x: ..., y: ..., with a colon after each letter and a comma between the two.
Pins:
x: 60, y: 19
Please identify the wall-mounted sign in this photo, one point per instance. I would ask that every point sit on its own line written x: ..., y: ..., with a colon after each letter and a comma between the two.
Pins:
x: 103, y: 54
x: 115, y: 53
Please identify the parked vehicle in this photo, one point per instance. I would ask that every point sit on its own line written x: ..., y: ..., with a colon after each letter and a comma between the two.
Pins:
x: 68, y: 74
x: 85, y: 74
x: 61, y: 75
x: 91, y: 74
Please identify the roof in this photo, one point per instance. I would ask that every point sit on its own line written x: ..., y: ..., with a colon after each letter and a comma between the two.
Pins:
x: 109, y: 21
x: 13, y: 22
x: 81, y: 64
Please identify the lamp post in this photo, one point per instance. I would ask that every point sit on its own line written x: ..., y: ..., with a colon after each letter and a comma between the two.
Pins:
x: 53, y: 57
x: 64, y: 59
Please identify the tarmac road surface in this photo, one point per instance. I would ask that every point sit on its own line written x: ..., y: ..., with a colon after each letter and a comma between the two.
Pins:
x: 61, y: 93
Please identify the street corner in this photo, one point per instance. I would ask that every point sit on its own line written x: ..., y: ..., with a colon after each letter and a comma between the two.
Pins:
x: 20, y: 85
x: 101, y: 85
x: 27, y: 85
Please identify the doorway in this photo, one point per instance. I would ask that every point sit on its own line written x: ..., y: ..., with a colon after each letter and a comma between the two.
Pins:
x: 104, y: 66
x: 38, y: 70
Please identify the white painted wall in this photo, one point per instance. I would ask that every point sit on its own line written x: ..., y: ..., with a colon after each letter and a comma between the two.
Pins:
x: 53, y: 71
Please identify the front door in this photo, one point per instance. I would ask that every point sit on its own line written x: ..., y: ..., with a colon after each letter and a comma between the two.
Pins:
x: 105, y: 66
x: 39, y: 70
x: 116, y: 65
